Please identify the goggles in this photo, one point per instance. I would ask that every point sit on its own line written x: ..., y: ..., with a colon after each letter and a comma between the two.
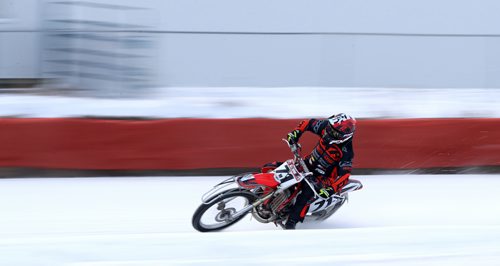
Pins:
x: 335, y: 136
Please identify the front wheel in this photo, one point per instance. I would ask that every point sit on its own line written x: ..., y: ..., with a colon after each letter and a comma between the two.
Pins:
x: 222, y: 210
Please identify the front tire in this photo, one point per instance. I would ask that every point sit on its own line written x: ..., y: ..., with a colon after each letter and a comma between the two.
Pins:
x: 218, y: 213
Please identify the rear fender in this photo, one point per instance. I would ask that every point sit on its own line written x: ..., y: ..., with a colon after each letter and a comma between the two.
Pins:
x: 251, y: 181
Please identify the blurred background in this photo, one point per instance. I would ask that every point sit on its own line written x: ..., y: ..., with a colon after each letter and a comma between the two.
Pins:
x: 111, y: 48
x: 168, y: 59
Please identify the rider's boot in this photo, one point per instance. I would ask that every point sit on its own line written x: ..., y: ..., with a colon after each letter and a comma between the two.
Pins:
x: 290, y: 224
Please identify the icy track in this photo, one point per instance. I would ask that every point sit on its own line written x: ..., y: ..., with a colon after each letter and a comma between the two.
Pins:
x: 142, y: 221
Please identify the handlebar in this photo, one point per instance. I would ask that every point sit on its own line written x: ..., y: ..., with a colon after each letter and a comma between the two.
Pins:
x: 295, y: 148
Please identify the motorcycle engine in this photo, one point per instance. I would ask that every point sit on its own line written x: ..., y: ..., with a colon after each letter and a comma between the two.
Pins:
x: 267, y: 213
x: 278, y: 199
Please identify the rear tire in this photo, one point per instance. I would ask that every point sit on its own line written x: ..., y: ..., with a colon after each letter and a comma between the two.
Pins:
x: 216, y: 215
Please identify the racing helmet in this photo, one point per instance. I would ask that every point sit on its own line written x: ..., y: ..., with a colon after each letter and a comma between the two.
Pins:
x: 340, y: 128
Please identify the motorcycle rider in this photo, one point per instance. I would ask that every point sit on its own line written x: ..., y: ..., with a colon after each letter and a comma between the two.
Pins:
x: 330, y: 161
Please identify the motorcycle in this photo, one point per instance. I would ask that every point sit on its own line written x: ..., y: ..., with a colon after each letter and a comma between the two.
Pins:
x: 268, y: 195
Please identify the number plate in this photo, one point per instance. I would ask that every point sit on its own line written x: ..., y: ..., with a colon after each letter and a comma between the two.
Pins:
x: 287, y: 174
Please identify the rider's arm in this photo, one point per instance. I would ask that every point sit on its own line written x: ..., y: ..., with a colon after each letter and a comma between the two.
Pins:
x: 315, y: 126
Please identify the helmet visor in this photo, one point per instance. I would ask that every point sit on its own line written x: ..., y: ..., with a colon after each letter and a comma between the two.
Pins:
x: 335, y: 136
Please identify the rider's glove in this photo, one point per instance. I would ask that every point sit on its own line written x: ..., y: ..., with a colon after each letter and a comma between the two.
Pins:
x: 326, y: 192
x: 293, y: 137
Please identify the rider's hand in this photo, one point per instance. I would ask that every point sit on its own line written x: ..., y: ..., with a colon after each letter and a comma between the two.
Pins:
x: 293, y: 137
x: 326, y: 192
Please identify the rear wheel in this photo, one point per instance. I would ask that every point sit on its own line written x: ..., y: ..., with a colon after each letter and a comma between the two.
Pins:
x: 222, y: 210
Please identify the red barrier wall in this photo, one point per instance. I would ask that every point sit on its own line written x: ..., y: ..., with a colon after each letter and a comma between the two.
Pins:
x: 237, y: 143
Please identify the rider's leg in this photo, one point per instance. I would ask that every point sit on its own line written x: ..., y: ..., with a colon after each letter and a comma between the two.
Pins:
x: 299, y: 209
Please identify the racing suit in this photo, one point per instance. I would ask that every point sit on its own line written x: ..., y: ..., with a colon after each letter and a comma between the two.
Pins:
x: 331, y: 165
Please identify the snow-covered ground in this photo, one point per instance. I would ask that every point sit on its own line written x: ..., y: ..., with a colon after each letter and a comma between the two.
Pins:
x: 289, y: 102
x: 444, y: 220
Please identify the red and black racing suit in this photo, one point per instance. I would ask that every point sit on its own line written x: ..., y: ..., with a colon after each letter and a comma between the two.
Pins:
x: 331, y: 165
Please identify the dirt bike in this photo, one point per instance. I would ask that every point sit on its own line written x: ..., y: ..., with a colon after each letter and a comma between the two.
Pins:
x: 267, y: 195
